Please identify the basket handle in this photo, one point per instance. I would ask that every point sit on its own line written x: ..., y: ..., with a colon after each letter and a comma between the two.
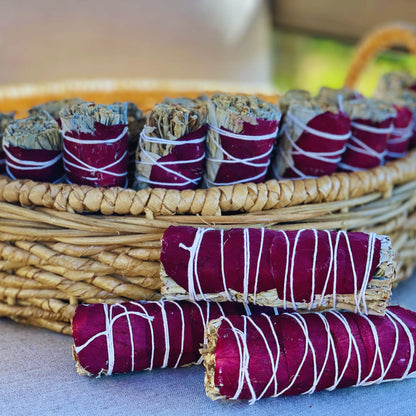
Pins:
x: 384, y: 37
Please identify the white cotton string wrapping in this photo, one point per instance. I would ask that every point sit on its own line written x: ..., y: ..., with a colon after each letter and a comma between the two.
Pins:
x: 110, y: 320
x: 152, y: 333
x: 20, y: 164
x: 166, y: 333
x: 223, y: 268
x: 253, y: 161
x: 152, y: 161
x: 193, y: 263
x: 333, y: 157
x: 246, y: 264
x: 24, y: 165
x: 205, y: 320
x: 399, y: 135
x: 357, y: 145
x: 258, y: 336
x: 316, y: 299
x: 89, y: 169
x: 256, y: 279
x: 182, y: 335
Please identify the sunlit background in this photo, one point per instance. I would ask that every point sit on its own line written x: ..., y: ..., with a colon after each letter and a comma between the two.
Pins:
x: 283, y: 43
x: 308, y: 62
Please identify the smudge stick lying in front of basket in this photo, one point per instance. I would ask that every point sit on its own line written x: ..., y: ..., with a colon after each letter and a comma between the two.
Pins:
x: 135, y: 336
x: 260, y: 356
x: 306, y: 269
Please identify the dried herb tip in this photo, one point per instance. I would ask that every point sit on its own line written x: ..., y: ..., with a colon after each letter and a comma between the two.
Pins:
x: 38, y: 131
x: 187, y: 102
x: 82, y: 117
x: 135, y: 119
x: 370, y: 109
x: 395, y: 81
x: 5, y: 120
x: 231, y: 111
x: 54, y: 107
x: 331, y: 96
x: 174, y: 121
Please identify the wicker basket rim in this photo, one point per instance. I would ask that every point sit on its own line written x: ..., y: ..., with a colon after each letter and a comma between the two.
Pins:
x: 248, y: 197
x: 80, y: 85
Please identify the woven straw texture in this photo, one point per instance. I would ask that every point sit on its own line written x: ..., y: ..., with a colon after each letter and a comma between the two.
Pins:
x: 60, y: 245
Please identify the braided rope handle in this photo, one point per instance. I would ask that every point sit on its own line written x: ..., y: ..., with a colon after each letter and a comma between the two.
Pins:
x: 384, y: 37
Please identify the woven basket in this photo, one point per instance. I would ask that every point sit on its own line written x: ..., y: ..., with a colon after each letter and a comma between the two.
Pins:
x: 60, y: 245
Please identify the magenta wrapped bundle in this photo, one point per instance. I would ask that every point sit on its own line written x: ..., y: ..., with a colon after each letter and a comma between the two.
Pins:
x: 400, y: 88
x: 135, y: 336
x: 372, y: 122
x: 171, y: 148
x: 241, y: 135
x: 290, y: 354
x: 311, y: 140
x: 95, y: 144
x: 5, y: 119
x: 33, y: 149
x: 305, y: 269
x: 398, y: 142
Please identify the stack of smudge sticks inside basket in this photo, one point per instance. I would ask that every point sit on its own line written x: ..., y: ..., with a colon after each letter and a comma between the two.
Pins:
x: 220, y: 140
x: 269, y: 313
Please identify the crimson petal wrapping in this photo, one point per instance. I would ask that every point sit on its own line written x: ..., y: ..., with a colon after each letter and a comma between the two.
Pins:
x: 244, y: 157
x: 171, y: 149
x: 307, y: 269
x: 182, y: 167
x: 135, y: 336
x: 372, y: 122
x: 368, y: 144
x: 311, y: 142
x: 95, y: 144
x: 250, y: 357
x: 36, y: 164
x: 398, y: 142
x: 33, y: 148
x: 99, y: 158
x: 241, y: 135
x: 399, y: 87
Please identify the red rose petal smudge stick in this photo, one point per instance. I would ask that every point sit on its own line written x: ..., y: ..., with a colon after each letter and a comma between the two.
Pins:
x: 171, y: 148
x: 312, y: 138
x: 95, y: 144
x: 400, y: 88
x: 33, y: 149
x: 241, y: 135
x: 290, y: 354
x: 398, y: 142
x: 306, y: 269
x: 134, y: 336
x: 372, y: 122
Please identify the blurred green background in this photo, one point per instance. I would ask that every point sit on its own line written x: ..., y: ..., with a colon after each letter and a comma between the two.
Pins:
x: 307, y: 62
